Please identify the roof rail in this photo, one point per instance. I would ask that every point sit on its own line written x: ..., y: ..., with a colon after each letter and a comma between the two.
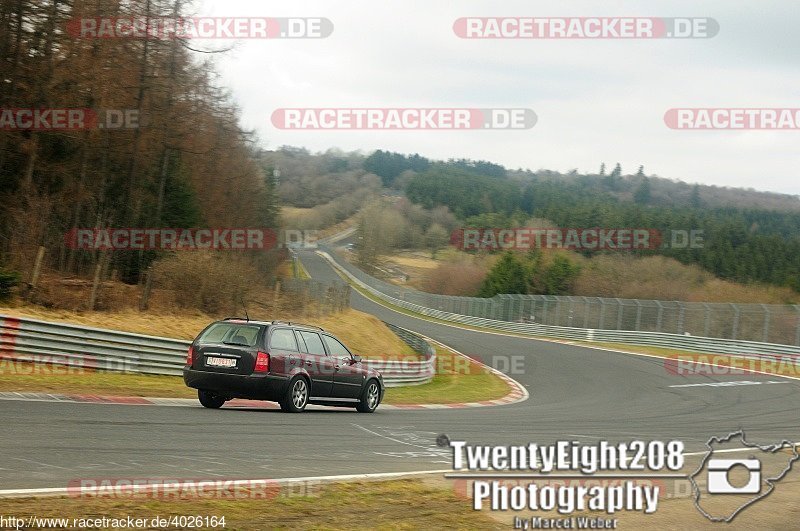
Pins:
x: 298, y: 324
x: 236, y: 319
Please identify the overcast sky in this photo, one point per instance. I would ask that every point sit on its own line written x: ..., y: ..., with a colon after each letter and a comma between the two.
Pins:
x: 596, y: 100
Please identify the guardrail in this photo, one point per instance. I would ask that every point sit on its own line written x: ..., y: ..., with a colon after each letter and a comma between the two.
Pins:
x: 656, y: 339
x: 81, y: 347
x: 407, y: 372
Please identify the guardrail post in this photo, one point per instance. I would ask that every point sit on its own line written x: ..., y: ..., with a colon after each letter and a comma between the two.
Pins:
x: 797, y: 334
x: 585, y: 312
x: 602, y: 314
x: 707, y: 325
x: 619, y: 313
x: 766, y: 323
x: 660, y: 316
x: 558, y: 312
x: 571, y: 311
x: 736, y: 314
x: 638, y: 315
x: 681, y: 317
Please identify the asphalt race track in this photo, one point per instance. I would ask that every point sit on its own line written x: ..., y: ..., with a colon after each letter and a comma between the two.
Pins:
x: 577, y: 393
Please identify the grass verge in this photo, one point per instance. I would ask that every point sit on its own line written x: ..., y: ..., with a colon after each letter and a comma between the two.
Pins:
x: 365, y: 334
x: 456, y: 380
x: 362, y: 505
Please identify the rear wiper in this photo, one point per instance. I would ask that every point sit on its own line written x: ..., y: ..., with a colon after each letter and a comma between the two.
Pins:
x: 236, y: 344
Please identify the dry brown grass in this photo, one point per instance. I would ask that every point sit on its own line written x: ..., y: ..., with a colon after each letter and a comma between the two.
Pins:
x: 415, y: 261
x: 365, y: 334
x: 662, y: 278
x: 617, y: 275
x: 609, y: 275
x: 451, y: 273
x: 412, y: 504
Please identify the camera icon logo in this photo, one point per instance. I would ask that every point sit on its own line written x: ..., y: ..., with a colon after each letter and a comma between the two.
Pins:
x: 719, y: 481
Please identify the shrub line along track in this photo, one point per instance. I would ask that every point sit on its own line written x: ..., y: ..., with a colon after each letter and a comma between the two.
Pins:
x: 582, y: 393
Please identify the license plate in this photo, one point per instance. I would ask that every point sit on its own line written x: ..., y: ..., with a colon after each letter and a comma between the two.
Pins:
x: 220, y: 362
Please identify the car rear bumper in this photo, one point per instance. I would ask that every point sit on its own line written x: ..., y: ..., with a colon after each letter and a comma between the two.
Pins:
x: 257, y: 387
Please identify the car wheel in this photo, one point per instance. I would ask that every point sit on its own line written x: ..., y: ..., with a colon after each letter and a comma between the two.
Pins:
x: 370, y: 398
x: 296, y: 398
x: 210, y: 400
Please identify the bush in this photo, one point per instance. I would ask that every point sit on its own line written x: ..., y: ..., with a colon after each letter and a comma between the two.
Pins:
x: 507, y: 276
x: 559, y: 278
x: 462, y: 279
x: 211, y: 282
x: 8, y: 281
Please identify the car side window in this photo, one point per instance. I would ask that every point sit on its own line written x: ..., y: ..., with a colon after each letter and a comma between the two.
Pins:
x: 282, y: 339
x: 313, y: 343
x: 300, y: 341
x: 336, y: 349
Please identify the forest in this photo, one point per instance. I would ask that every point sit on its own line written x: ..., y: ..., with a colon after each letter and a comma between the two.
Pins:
x: 187, y: 163
x: 748, y: 236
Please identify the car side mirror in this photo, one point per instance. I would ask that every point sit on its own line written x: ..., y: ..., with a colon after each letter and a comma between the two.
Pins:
x: 356, y: 359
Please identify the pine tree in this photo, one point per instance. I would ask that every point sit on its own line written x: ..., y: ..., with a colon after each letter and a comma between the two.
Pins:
x: 642, y: 193
x: 695, y: 200
x: 507, y: 276
x: 560, y: 276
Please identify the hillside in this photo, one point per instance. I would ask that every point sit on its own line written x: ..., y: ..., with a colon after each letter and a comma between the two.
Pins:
x: 748, y: 240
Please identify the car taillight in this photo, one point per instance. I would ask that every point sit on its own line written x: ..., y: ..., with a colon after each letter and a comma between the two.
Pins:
x: 262, y: 362
x: 190, y: 356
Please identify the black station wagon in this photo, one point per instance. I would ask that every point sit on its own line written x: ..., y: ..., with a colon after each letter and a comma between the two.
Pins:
x: 279, y: 361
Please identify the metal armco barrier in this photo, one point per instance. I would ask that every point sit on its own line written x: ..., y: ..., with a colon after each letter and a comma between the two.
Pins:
x: 412, y: 372
x: 655, y: 339
x: 763, y: 323
x: 58, y: 344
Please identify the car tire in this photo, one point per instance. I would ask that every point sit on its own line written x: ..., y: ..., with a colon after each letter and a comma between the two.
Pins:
x: 209, y: 399
x: 296, y: 398
x: 370, y: 398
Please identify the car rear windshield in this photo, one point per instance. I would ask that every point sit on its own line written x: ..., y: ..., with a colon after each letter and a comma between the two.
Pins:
x: 231, y: 334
